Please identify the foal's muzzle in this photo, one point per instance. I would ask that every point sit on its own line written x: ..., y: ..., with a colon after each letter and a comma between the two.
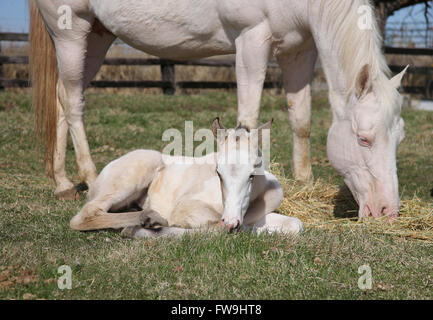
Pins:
x: 231, y: 227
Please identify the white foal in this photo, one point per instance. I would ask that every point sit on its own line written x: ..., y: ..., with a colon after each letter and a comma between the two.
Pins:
x: 176, y: 196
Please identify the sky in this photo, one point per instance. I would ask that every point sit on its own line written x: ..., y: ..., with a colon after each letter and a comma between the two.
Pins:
x: 14, y: 15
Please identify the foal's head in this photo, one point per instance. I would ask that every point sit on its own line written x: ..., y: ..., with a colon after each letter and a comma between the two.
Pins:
x: 239, y: 160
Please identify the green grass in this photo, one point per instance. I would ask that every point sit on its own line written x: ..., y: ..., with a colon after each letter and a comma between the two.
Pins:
x: 35, y: 238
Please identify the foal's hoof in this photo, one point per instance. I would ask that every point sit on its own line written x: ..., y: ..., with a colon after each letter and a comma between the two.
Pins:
x: 69, y: 194
x: 138, y: 232
x: 129, y: 232
x: 152, y: 220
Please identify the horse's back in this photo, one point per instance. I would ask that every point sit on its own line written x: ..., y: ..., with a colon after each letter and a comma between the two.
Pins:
x: 183, y: 29
x: 199, y: 28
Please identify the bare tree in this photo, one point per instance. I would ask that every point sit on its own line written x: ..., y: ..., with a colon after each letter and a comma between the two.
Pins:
x: 385, y: 8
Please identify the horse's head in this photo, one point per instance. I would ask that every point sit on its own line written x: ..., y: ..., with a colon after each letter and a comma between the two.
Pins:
x: 238, y: 159
x: 363, y: 141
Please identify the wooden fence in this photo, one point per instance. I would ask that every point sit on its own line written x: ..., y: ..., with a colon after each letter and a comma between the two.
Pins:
x: 168, y: 81
x: 169, y: 84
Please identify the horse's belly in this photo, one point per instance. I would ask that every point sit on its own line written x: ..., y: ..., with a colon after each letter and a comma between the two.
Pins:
x: 180, y: 46
x: 166, y: 28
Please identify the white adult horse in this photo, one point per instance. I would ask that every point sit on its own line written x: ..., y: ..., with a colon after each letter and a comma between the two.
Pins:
x: 176, y: 195
x: 366, y: 105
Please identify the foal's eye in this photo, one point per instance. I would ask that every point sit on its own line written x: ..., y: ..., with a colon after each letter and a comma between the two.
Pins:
x: 364, y: 142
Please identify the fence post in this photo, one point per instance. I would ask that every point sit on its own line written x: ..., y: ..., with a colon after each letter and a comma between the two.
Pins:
x: 168, y: 75
x: 1, y: 69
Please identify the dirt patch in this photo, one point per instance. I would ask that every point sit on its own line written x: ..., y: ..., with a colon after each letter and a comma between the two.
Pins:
x: 11, y: 276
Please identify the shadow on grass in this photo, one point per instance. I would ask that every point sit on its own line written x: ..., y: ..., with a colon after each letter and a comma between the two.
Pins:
x: 345, y: 204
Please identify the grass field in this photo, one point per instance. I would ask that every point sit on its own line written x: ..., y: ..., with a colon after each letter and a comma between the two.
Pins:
x: 35, y: 238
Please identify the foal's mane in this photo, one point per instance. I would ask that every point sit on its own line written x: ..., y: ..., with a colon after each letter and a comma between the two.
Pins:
x: 357, y: 47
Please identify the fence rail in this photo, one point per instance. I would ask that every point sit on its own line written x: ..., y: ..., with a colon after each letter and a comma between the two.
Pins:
x: 168, y: 84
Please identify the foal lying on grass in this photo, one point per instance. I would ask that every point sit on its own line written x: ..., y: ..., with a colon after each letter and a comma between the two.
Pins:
x: 176, y: 195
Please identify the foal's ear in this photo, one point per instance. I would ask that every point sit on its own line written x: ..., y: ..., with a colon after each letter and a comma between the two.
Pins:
x: 266, y: 126
x: 396, y: 80
x: 216, y: 125
x: 363, y: 81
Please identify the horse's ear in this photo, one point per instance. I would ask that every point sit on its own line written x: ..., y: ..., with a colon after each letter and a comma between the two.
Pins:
x: 363, y: 81
x: 216, y: 125
x: 396, y: 80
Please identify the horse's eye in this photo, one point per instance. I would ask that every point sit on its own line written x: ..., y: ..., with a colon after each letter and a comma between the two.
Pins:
x: 251, y: 177
x: 364, y: 142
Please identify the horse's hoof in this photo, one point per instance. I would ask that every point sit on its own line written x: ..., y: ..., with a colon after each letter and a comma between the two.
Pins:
x: 81, y: 187
x: 74, y: 193
x: 69, y: 194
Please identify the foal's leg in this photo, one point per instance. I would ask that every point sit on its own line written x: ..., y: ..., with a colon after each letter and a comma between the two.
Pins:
x: 121, y: 183
x: 79, y: 60
x: 274, y: 222
x: 139, y: 232
x: 252, y: 55
x: 267, y: 195
x: 92, y: 217
x: 298, y: 74
x: 260, y: 216
x: 189, y: 216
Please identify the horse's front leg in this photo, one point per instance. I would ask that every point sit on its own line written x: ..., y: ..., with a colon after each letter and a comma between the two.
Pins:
x: 252, y: 55
x: 298, y: 74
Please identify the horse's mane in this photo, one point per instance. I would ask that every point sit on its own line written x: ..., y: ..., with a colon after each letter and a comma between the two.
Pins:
x: 357, y: 47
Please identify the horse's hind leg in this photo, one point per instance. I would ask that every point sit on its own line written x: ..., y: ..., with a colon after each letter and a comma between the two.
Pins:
x: 79, y: 61
x: 64, y: 187
x: 298, y: 74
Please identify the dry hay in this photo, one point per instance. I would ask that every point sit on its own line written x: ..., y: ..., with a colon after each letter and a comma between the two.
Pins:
x: 327, y: 206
